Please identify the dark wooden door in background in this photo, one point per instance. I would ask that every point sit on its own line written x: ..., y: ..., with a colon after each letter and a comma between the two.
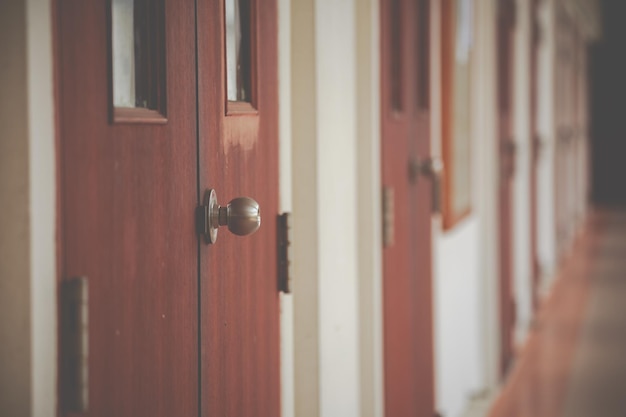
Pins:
x: 507, y: 152
x: 407, y: 275
x: 176, y: 327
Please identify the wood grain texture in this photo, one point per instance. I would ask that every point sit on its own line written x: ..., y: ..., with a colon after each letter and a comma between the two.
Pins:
x: 238, y: 154
x: 128, y: 197
x: 407, y: 276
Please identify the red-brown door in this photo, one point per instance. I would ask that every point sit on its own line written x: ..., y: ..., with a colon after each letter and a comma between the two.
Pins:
x: 507, y: 147
x: 176, y: 327
x: 407, y: 195
x: 238, y: 157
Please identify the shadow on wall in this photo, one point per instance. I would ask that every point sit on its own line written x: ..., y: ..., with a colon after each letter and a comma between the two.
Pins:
x: 608, y: 109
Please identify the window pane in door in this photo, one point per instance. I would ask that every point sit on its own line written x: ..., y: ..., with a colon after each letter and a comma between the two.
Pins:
x: 238, y: 50
x: 138, y: 54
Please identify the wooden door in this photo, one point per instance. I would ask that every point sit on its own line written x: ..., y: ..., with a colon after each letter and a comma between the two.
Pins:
x: 239, y: 157
x: 506, y: 144
x: 407, y: 195
x: 176, y: 327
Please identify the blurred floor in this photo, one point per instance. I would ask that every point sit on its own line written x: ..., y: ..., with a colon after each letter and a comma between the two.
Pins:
x: 597, y: 385
x: 574, y: 363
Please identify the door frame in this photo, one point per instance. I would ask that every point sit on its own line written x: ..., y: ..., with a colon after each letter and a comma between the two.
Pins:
x: 321, y: 287
x: 505, y: 26
x: 28, y: 186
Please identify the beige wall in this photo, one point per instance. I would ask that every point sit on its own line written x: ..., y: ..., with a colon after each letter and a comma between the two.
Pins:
x: 15, y: 346
x: 27, y: 191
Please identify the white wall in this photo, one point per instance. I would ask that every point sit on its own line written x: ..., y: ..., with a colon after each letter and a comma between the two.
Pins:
x: 334, y: 133
x: 522, y: 262
x: 285, y: 203
x: 27, y: 193
x: 369, y: 208
x: 465, y: 264
x: 546, y: 238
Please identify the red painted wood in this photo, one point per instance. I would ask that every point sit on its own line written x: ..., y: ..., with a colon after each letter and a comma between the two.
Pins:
x: 505, y: 45
x: 128, y: 198
x: 176, y: 328
x: 407, y: 276
x: 238, y: 280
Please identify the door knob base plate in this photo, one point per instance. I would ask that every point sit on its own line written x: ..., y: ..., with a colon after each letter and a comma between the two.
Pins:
x: 242, y: 215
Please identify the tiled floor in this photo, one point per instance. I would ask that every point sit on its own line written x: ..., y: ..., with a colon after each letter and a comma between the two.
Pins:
x: 574, y: 363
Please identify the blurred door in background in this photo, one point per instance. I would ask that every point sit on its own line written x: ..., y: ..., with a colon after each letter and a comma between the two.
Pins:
x: 408, y: 175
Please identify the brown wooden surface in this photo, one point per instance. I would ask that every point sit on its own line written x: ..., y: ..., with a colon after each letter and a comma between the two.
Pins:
x: 177, y: 328
x: 448, y: 47
x: 407, y: 276
x: 128, y: 198
x: 506, y: 21
x: 238, y: 281
x: 537, y: 386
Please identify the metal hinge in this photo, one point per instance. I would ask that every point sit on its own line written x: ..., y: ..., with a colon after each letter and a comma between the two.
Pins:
x: 283, y: 232
x: 75, y: 344
x: 388, y: 217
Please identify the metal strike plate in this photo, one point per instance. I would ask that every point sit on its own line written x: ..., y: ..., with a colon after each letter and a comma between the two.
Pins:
x: 283, y: 234
x: 75, y: 344
x: 388, y: 217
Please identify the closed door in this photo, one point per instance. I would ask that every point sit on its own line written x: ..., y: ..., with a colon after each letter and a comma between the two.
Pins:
x: 159, y: 102
x: 407, y: 180
x: 507, y: 152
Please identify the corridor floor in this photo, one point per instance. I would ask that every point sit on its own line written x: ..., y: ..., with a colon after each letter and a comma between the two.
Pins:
x: 574, y: 362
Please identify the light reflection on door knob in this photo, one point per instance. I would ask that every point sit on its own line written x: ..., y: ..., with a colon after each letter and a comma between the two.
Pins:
x: 242, y: 215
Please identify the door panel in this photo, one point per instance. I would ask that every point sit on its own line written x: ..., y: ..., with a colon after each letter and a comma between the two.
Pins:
x: 407, y: 282
x: 177, y: 327
x: 128, y: 197
x: 238, y: 156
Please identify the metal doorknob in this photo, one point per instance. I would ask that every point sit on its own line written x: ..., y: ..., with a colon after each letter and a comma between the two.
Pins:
x: 432, y: 168
x: 242, y: 216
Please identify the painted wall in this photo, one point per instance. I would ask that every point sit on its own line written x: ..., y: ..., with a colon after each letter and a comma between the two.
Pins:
x: 27, y: 193
x: 15, y: 349
x: 466, y: 286
x: 335, y: 185
x: 522, y: 262
x: 546, y: 245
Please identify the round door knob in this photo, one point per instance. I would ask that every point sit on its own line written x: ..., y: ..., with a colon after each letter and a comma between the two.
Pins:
x: 242, y: 215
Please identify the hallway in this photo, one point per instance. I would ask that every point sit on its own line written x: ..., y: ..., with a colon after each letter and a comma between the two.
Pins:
x: 573, y: 363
